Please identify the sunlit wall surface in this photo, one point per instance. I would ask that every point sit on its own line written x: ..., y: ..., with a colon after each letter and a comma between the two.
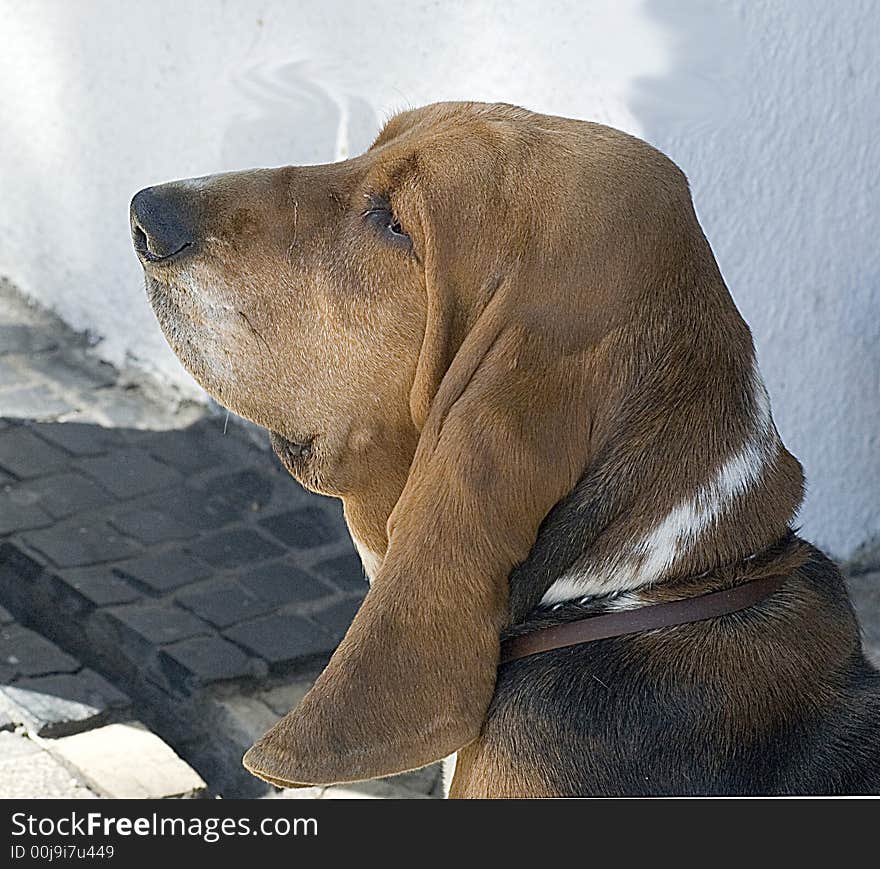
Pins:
x: 770, y: 108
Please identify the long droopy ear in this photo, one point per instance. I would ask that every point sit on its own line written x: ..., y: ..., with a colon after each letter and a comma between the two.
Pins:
x: 501, y: 396
x: 503, y: 440
x: 559, y: 343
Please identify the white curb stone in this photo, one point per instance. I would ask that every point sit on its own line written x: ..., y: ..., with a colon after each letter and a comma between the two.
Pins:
x: 27, y: 772
x: 126, y: 761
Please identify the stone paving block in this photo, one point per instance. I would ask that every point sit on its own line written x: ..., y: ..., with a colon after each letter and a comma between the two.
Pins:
x: 73, y: 370
x: 121, y: 408
x: 17, y: 572
x: 229, y: 549
x: 27, y: 772
x: 244, y: 719
x: 282, y: 698
x: 11, y: 373
x: 202, y: 660
x: 25, y: 455
x: 281, y: 637
x: 163, y: 571
x: 126, y: 761
x: 377, y: 789
x: 10, y: 714
x: 150, y: 525
x: 19, y: 510
x: 191, y: 507
x: 65, y: 494
x: 29, y: 654
x: 345, y: 572
x: 142, y: 627
x: 304, y: 528
x: 79, y: 542
x: 8, y: 673
x: 243, y: 488
x: 129, y: 472
x: 65, y: 703
x: 336, y: 619
x: 15, y: 308
x: 224, y: 603
x: 281, y: 582
x: 19, y: 338
x: 36, y: 401
x: 244, y: 492
x: 312, y: 793
x: 76, y: 438
x: 86, y: 588
x: 189, y: 450
x: 425, y: 781
x: 241, y: 435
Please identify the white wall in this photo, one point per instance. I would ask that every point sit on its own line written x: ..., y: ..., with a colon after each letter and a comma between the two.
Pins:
x: 770, y: 107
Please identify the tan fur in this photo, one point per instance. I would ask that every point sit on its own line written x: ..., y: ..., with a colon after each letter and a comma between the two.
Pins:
x: 486, y: 774
x: 559, y: 311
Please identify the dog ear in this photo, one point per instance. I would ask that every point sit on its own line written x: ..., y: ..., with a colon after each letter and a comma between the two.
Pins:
x: 513, y: 361
x: 503, y: 439
x: 584, y: 325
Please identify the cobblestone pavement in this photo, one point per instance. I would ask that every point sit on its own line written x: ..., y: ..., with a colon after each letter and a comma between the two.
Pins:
x: 166, y: 549
x: 29, y: 772
x: 64, y: 729
x: 158, y: 565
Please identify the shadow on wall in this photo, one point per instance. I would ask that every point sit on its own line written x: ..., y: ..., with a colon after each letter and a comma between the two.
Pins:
x: 702, y: 85
x: 771, y: 112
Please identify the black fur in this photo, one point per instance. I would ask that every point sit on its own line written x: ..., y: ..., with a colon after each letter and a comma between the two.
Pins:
x: 777, y: 699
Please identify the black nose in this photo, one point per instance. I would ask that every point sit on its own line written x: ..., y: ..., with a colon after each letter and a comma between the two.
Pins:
x: 162, y: 223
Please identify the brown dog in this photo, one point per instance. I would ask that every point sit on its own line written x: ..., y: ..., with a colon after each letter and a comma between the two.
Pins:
x: 503, y: 340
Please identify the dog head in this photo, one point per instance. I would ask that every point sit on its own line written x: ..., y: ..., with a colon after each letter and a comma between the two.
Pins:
x: 449, y: 332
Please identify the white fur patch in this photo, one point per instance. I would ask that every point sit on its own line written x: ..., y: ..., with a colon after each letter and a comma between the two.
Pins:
x: 370, y: 560
x: 652, y: 556
x: 577, y: 582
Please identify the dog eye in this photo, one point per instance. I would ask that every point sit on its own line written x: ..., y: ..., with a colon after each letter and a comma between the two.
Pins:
x: 380, y: 213
x: 396, y: 229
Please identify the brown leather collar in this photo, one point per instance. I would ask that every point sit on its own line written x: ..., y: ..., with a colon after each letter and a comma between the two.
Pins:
x: 648, y: 618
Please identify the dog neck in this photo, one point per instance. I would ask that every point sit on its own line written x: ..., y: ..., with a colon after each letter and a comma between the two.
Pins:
x: 605, y: 544
x: 648, y: 509
x: 366, y: 514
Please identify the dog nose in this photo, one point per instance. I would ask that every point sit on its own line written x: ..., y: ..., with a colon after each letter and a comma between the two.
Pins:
x: 162, y: 224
